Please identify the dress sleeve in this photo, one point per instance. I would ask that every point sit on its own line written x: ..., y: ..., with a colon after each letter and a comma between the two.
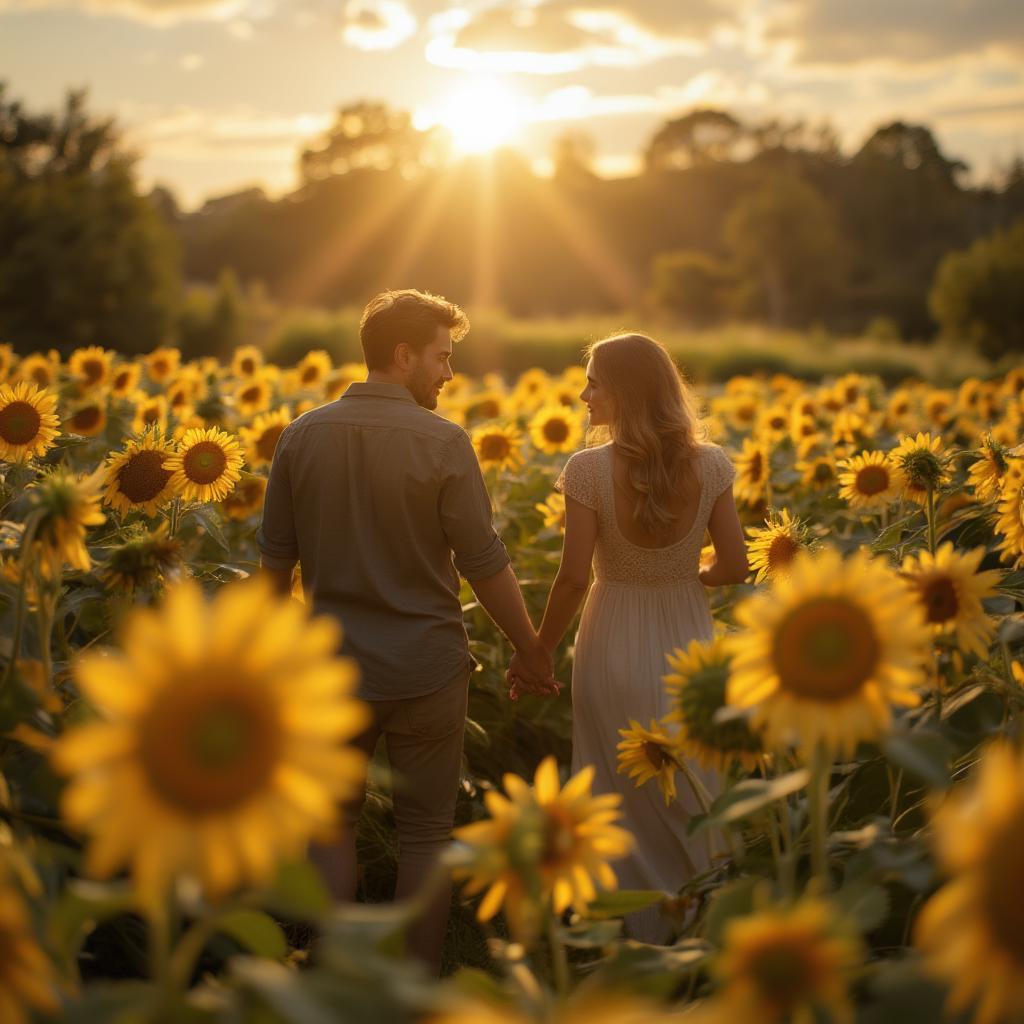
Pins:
x: 722, y: 471
x: 576, y: 481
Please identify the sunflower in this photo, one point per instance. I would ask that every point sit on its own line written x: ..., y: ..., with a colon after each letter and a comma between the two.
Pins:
x: 773, y: 423
x: 972, y: 930
x: 137, y: 479
x: 339, y: 380
x: 253, y: 395
x: 144, y: 560
x: 899, y: 409
x: 542, y: 844
x: 485, y: 405
x: 67, y: 505
x: 125, y: 380
x: 986, y: 474
x: 246, y: 499
x: 696, y: 689
x: 39, y: 369
x: 220, y: 749
x: 871, y: 481
x: 27, y: 978
x: 923, y: 462
x: 554, y: 429
x: 1010, y: 515
x: 753, y: 471
x: 91, y: 365
x: 6, y: 361
x: 824, y: 655
x: 206, y: 465
x: 950, y: 590
x: 246, y: 361
x: 817, y: 468
x: 162, y: 364
x: 804, y: 430
x: 774, y: 546
x: 531, y: 390
x: 261, y: 438
x: 498, y: 447
x: 553, y: 511
x: 88, y: 419
x: 740, y: 410
x: 594, y: 1006
x: 312, y: 371
x: 181, y: 398
x: 150, y: 411
x: 28, y: 422
x: 785, y: 964
x: 646, y: 754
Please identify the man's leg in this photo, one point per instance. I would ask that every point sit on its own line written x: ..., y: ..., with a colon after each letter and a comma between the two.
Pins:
x: 425, y: 750
x: 336, y: 861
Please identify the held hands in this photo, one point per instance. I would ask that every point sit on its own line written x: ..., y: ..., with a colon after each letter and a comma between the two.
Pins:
x: 531, y: 671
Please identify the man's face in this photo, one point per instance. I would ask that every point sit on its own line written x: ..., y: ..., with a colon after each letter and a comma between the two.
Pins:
x: 430, y: 369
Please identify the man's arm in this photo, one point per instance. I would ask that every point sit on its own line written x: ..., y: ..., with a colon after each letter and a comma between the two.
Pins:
x: 280, y: 579
x: 279, y: 550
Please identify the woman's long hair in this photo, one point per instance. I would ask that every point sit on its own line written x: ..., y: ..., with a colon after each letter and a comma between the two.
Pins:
x: 654, y: 424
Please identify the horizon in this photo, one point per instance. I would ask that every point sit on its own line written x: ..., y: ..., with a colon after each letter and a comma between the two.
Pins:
x: 187, y: 80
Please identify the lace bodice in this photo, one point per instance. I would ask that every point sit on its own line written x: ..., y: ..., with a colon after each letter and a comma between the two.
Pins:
x: 587, y: 477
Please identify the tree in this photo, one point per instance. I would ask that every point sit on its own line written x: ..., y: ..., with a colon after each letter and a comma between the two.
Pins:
x: 912, y: 147
x: 978, y: 294
x: 370, y: 134
x: 700, y: 137
x: 691, y: 284
x: 86, y: 258
x: 572, y: 154
x: 787, y: 251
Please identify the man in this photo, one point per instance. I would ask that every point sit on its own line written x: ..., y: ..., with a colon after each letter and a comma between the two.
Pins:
x: 383, y: 503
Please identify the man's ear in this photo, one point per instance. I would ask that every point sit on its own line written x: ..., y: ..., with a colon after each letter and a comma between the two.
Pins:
x: 402, y: 356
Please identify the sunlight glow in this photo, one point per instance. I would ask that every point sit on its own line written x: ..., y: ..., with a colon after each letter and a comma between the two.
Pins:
x: 480, y: 116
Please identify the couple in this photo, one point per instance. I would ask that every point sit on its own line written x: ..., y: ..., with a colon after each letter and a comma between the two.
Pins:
x: 384, y: 505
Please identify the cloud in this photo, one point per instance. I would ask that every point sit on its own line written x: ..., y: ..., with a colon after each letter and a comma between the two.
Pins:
x: 904, y: 31
x: 160, y: 13
x: 562, y: 36
x: 377, y: 24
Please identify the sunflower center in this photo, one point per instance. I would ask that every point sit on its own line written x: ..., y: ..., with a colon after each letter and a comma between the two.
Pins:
x: 699, y: 699
x: 940, y: 598
x: 178, y: 398
x: 207, y: 748
x: 204, y: 462
x: 825, y: 649
x: 755, y: 466
x: 161, y: 367
x: 559, y: 838
x: 143, y: 477
x: 495, y: 447
x: 655, y: 753
x: 823, y: 473
x: 86, y: 418
x: 93, y: 369
x: 872, y: 480
x: 1001, y: 875
x: 247, y: 365
x: 19, y: 422
x: 782, y: 550
x: 783, y: 976
x: 310, y: 374
x: 251, y: 394
x: 151, y: 413
x: 122, y: 380
x: 41, y: 375
x: 267, y: 443
x: 556, y: 431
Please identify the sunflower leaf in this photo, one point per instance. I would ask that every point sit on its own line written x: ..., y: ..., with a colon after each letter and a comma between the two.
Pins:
x: 924, y: 754
x: 623, y: 901
x: 255, y: 931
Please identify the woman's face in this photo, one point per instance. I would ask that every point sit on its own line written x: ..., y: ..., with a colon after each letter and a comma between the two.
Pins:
x: 597, y: 400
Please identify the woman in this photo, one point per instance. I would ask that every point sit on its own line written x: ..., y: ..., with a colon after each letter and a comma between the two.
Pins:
x: 637, y: 508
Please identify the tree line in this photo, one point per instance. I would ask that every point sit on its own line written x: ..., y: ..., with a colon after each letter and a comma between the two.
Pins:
x: 727, y: 219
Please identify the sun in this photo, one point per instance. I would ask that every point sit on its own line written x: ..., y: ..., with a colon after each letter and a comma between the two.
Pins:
x: 480, y: 116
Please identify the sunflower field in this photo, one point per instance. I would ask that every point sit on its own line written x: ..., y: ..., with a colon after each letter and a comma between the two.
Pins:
x: 173, y: 735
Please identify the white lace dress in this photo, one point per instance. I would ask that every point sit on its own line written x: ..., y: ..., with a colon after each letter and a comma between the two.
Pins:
x: 644, y: 602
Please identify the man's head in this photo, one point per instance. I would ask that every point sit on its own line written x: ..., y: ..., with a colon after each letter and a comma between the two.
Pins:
x: 408, y: 334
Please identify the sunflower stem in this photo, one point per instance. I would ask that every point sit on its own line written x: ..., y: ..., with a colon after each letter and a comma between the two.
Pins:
x: 175, y: 512
x: 821, y: 769
x: 895, y: 782
x: 930, y: 511
x: 27, y: 539
x: 559, y: 960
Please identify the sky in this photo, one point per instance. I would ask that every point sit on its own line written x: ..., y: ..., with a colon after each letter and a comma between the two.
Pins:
x: 218, y: 95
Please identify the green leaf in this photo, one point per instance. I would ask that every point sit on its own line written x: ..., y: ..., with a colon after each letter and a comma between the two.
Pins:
x: 733, y: 900
x: 623, y: 901
x: 864, y: 904
x: 82, y: 907
x: 924, y: 754
x: 299, y: 890
x: 749, y: 797
x: 207, y: 518
x: 257, y: 932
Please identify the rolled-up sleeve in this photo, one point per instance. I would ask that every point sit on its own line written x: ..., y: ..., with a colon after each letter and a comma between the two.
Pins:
x: 276, y: 534
x: 465, y: 510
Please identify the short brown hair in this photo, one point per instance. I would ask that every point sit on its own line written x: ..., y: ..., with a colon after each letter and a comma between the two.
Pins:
x: 406, y: 315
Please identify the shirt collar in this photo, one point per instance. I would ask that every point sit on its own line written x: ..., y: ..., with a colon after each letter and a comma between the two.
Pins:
x: 366, y: 389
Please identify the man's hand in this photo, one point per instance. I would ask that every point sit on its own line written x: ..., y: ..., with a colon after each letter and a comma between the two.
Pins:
x: 531, y: 670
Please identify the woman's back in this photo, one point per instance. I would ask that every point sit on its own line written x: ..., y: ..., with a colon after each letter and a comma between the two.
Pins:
x: 625, y: 552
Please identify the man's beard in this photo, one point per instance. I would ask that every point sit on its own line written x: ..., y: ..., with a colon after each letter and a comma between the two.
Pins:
x: 422, y: 389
